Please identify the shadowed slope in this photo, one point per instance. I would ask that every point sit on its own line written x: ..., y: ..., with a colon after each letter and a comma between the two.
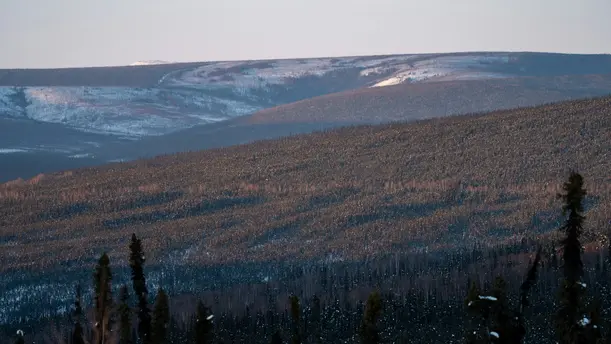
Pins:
x: 435, y: 99
x: 131, y: 76
x: 143, y: 111
x: 373, y: 105
x: 353, y: 192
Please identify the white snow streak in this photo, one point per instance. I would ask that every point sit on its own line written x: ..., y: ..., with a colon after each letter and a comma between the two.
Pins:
x: 217, y: 91
x: 12, y: 150
x: 149, y: 63
x: 585, y: 321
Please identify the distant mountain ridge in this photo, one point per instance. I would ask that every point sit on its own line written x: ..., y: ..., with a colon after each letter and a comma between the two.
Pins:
x: 149, y: 62
x: 88, y: 116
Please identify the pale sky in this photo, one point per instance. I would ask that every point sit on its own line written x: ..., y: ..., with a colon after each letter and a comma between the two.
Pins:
x: 76, y: 33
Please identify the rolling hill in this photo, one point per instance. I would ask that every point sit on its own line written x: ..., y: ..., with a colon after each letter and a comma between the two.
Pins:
x: 124, y: 113
x: 345, y: 181
x: 345, y: 194
x: 435, y: 99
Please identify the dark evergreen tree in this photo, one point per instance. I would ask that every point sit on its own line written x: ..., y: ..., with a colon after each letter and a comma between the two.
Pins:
x: 136, y: 262
x: 77, y: 332
x: 276, y: 338
x: 593, y: 331
x: 529, y: 282
x: 296, y: 320
x: 572, y: 323
x: 608, y: 258
x: 125, y: 317
x: 476, y: 329
x: 315, y: 321
x: 368, y: 331
x: 203, y: 324
x: 492, y: 318
x: 506, y: 324
x: 177, y: 332
x: 553, y: 258
x: 19, y: 339
x: 161, y: 318
x: 102, y: 278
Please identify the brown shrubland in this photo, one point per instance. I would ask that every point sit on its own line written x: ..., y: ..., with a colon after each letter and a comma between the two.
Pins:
x: 355, y: 191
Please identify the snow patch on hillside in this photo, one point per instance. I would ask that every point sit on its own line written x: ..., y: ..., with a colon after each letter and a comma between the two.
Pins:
x: 124, y: 111
x: 149, y: 63
x: 255, y: 74
x: 12, y: 150
x: 80, y: 156
x: 462, y: 67
x: 218, y: 91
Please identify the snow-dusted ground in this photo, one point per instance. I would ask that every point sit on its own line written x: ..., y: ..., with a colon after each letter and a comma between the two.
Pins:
x: 217, y: 91
x: 445, y: 68
x: 210, y: 92
x: 182, y: 96
x: 12, y: 150
x: 120, y: 110
x: 149, y: 63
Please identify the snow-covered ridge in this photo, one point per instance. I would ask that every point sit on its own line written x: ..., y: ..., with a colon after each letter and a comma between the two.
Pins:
x: 445, y: 68
x: 12, y: 150
x: 213, y: 92
x: 203, y: 93
x: 120, y: 111
x: 149, y: 63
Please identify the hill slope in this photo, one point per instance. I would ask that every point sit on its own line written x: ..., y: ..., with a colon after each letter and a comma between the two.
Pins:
x: 371, y: 105
x: 435, y: 99
x: 148, y: 110
x: 350, y: 192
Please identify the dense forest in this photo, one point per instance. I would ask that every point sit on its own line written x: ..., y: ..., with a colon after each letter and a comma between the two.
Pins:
x: 523, y: 293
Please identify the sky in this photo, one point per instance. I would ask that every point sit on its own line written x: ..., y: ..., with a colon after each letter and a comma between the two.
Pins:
x: 78, y: 33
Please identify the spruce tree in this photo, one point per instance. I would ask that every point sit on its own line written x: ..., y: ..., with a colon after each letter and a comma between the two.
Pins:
x: 276, y: 338
x: 529, y: 282
x: 368, y: 331
x: 103, y: 299
x: 507, y: 323
x: 296, y: 318
x: 571, y: 321
x: 553, y: 258
x: 19, y: 339
x: 594, y: 332
x: 161, y: 318
x: 203, y: 324
x: 491, y: 317
x: 136, y: 262
x: 502, y: 326
x: 608, y: 258
x: 77, y: 332
x: 315, y: 321
x: 475, y: 327
x: 125, y: 317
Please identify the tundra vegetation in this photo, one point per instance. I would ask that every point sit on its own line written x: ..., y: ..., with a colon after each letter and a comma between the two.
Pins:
x: 386, y: 231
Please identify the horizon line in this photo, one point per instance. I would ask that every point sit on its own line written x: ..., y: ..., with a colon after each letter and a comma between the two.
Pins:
x: 287, y: 58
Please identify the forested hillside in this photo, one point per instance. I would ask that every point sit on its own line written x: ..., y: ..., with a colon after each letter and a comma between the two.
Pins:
x: 475, y: 296
x: 418, y: 212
